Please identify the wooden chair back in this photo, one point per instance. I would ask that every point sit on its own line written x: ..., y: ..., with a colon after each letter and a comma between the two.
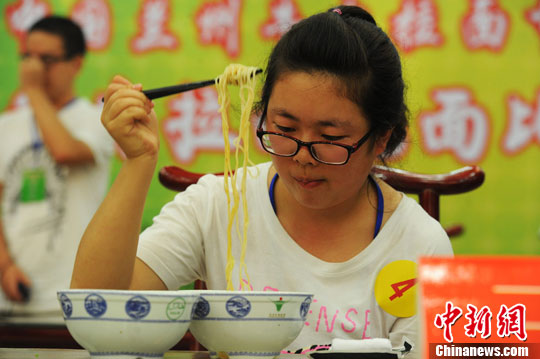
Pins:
x: 428, y: 187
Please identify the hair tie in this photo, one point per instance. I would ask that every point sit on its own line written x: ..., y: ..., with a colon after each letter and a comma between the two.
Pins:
x: 336, y: 10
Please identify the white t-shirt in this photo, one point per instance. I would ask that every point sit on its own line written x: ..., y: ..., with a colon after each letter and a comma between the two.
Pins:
x: 188, y: 241
x: 43, y: 235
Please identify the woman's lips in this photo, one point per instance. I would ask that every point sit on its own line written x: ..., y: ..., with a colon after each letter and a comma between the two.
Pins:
x: 308, y: 182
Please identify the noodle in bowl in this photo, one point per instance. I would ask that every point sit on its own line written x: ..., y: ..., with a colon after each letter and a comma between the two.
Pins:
x: 243, y: 324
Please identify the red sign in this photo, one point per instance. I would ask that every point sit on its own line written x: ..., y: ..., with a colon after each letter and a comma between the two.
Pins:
x: 480, y: 303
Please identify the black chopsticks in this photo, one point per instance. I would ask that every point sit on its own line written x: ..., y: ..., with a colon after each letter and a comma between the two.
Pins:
x: 171, y: 90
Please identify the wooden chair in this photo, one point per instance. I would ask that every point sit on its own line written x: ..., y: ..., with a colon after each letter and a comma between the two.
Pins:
x: 428, y: 187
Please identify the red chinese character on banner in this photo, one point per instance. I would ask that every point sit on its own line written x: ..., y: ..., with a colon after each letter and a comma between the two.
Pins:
x: 533, y: 16
x: 486, y: 25
x: 218, y: 23
x: 511, y: 321
x: 283, y: 14
x: 479, y: 321
x: 415, y: 25
x: 94, y: 16
x: 447, y: 319
x: 153, y: 34
x: 459, y: 125
x: 194, y: 124
x: 523, y: 127
x: 22, y: 14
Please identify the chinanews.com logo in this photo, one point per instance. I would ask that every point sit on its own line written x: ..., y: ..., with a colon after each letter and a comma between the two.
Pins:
x: 484, y: 351
x: 510, y: 324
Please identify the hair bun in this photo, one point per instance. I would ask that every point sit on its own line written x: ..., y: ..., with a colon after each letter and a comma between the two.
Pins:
x: 356, y: 12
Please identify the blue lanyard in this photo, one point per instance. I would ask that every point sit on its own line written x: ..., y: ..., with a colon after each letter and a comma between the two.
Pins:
x: 380, y: 202
x: 271, y: 192
x: 36, y: 138
x: 380, y: 207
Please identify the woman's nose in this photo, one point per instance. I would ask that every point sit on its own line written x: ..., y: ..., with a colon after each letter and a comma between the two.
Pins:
x: 303, y: 156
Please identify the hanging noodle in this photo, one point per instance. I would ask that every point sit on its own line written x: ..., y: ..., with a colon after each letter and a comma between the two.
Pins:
x: 244, y: 77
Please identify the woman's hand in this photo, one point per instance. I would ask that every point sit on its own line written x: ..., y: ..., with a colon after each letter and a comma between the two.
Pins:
x: 129, y: 117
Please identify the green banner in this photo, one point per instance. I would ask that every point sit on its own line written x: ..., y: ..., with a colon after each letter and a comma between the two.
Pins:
x: 472, y: 70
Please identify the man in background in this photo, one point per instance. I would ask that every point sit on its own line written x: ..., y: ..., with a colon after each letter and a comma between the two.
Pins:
x: 54, y: 169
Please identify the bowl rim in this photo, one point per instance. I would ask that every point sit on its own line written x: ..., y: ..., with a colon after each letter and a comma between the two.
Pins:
x: 267, y: 293
x: 185, y: 292
x: 155, y: 293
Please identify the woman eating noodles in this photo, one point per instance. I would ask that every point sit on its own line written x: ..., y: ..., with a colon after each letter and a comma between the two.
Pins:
x: 332, y: 105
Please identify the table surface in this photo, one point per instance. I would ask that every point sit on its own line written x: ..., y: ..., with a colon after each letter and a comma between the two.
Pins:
x: 51, y: 319
x: 24, y: 353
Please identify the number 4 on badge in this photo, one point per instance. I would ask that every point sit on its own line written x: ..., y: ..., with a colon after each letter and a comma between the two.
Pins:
x: 402, y: 287
x: 395, y: 288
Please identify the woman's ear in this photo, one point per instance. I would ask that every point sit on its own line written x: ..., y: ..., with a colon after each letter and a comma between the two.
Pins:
x: 380, y: 144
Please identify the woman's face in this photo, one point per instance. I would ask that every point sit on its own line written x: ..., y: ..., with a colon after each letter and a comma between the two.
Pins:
x: 312, y: 107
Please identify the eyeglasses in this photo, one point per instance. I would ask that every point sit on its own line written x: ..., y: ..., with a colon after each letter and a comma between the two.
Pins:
x: 327, y: 152
x: 47, y: 59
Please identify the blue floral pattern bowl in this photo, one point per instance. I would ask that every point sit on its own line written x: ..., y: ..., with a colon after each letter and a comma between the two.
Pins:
x: 242, y: 324
x: 127, y: 324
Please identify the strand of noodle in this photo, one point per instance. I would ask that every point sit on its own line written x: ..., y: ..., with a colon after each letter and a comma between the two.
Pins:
x: 223, y: 99
x: 238, y: 148
x: 247, y: 96
x: 232, y: 77
x: 245, y: 77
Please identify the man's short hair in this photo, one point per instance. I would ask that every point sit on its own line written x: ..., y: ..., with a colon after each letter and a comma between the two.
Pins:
x: 70, y: 32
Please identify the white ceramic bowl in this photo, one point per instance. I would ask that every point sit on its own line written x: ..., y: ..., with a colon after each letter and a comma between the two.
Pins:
x: 127, y: 324
x: 238, y: 324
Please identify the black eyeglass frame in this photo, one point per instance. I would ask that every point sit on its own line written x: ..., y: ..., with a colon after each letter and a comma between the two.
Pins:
x: 350, y: 148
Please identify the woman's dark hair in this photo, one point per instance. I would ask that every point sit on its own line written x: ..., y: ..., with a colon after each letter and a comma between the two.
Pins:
x: 70, y: 33
x: 346, y: 42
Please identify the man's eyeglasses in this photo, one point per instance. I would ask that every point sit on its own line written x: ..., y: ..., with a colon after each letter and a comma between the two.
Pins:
x: 327, y: 152
x: 47, y: 59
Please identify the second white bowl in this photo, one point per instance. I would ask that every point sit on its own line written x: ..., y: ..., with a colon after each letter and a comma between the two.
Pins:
x: 238, y: 324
